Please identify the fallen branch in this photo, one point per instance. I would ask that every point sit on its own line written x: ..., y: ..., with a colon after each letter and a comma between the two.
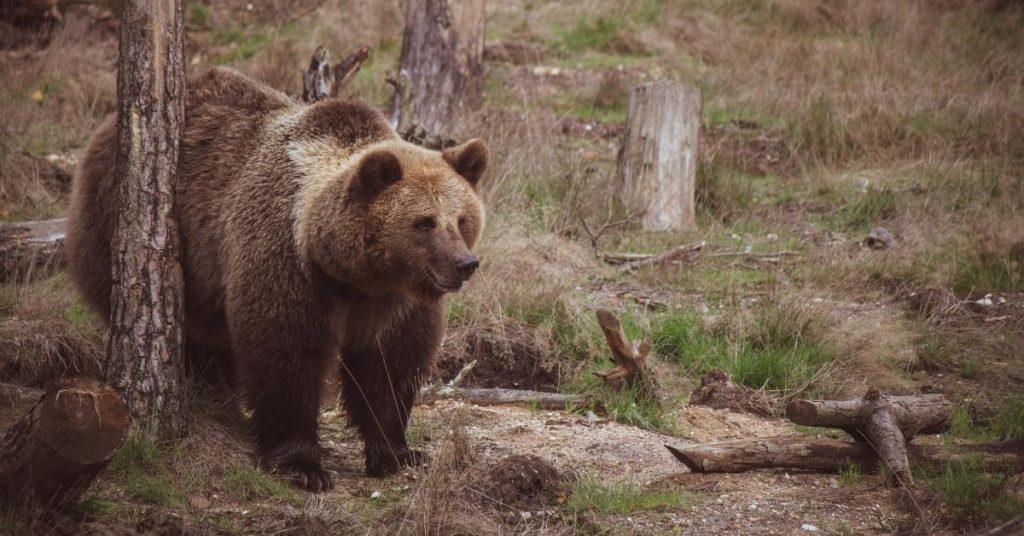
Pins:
x: 54, y: 452
x: 496, y: 396
x: 672, y: 254
x: 774, y: 255
x: 798, y: 452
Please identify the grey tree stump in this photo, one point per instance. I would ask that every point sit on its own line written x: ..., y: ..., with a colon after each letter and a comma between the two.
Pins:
x: 658, y: 157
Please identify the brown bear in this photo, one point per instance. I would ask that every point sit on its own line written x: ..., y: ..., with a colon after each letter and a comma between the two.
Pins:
x: 305, y: 230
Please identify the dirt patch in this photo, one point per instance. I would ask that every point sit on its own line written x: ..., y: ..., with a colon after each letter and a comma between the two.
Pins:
x: 717, y: 391
x: 524, y: 482
x: 508, y: 354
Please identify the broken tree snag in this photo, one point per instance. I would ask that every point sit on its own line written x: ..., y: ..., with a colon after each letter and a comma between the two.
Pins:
x: 658, y: 158
x: 441, y: 66
x: 31, y: 249
x: 322, y: 81
x: 914, y: 414
x: 825, y: 455
x: 54, y: 452
x: 630, y: 370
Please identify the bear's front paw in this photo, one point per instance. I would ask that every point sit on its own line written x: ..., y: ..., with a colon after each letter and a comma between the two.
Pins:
x: 300, y: 463
x: 388, y: 462
x: 309, y: 477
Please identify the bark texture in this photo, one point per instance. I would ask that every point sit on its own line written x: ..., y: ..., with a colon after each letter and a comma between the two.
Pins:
x: 54, y: 452
x: 916, y: 414
x: 658, y: 157
x: 440, y: 68
x: 144, y: 354
x: 826, y: 455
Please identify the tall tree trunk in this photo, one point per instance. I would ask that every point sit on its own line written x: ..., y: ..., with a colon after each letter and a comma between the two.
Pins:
x: 145, y: 346
x: 441, y: 66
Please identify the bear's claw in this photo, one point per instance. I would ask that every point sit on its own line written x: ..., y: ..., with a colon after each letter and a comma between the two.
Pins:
x: 311, y: 478
x: 388, y: 462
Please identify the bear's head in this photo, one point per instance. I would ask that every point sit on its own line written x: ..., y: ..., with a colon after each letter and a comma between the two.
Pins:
x: 402, y: 219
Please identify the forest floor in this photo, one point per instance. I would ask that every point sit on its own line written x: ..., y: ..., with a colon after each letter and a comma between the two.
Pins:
x: 821, y: 121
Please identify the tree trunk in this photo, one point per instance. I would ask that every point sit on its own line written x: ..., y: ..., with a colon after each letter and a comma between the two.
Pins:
x: 144, y: 354
x: 797, y: 452
x: 54, y: 452
x: 440, y: 73
x: 658, y: 157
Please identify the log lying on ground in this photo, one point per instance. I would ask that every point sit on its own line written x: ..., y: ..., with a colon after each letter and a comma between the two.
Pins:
x: 678, y: 252
x: 802, y: 453
x: 32, y: 248
x: 888, y: 423
x: 54, y: 452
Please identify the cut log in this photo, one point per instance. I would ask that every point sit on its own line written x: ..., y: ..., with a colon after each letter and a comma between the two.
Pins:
x: 31, y: 249
x: 440, y: 72
x: 915, y: 414
x: 658, y: 158
x: 802, y: 453
x: 630, y: 359
x: 54, y: 452
x: 496, y: 396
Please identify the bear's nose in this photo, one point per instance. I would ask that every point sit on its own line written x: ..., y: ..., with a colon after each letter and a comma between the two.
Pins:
x: 466, y: 266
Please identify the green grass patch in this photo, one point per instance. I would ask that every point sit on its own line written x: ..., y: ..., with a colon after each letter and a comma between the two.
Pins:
x: 780, y: 349
x: 851, y: 475
x: 972, y: 495
x: 990, y: 270
x: 144, y: 470
x: 249, y: 484
x: 1008, y: 422
x: 591, y: 493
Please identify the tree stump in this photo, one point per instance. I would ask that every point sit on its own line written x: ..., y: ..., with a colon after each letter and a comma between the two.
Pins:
x: 321, y: 80
x: 440, y: 72
x: 824, y: 455
x: 658, y: 158
x: 630, y: 359
x: 144, y: 358
x: 52, y: 454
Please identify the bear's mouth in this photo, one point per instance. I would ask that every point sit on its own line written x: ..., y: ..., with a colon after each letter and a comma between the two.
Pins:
x: 443, y: 285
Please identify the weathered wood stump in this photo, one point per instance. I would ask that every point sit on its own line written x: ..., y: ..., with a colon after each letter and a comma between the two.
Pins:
x: 440, y: 72
x: 53, y: 453
x: 658, y: 158
x: 802, y: 453
x: 630, y: 359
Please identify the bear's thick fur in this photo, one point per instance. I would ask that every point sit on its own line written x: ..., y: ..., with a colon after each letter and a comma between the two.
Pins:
x: 306, y: 230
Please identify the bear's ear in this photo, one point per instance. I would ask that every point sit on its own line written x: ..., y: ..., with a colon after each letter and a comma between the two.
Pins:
x: 377, y: 170
x: 469, y: 159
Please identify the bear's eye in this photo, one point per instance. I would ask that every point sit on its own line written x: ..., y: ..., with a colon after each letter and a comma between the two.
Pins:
x: 425, y: 223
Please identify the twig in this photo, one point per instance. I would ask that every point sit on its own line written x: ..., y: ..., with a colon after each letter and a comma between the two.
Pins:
x: 755, y: 255
x: 462, y: 374
x: 673, y: 253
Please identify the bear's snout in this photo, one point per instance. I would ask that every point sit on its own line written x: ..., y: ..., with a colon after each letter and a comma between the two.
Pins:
x: 465, y: 265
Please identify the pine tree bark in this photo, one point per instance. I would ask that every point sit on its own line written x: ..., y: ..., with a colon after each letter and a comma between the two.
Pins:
x: 145, y: 345
x: 440, y: 68
x: 658, y: 157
